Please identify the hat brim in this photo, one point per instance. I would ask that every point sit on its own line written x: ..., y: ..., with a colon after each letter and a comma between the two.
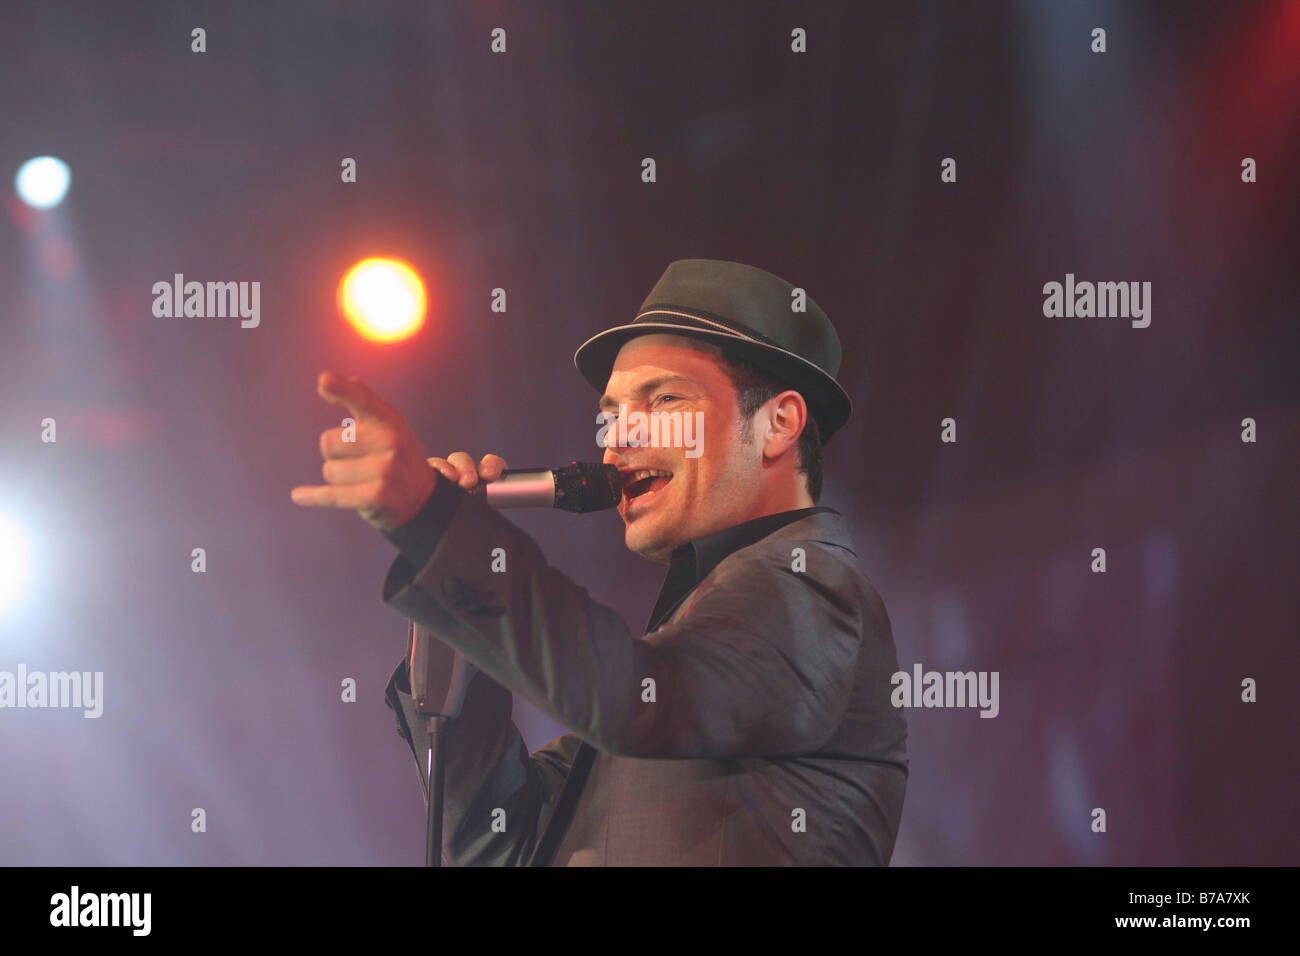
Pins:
x: 827, y: 401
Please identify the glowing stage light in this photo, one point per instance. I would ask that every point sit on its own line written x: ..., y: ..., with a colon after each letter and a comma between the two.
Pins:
x: 13, y: 562
x: 383, y: 299
x: 43, y: 182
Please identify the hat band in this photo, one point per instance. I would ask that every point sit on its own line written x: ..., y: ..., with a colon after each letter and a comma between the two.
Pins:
x: 697, y: 320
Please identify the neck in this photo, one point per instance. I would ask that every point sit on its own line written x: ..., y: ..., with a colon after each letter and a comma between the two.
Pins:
x: 789, y: 497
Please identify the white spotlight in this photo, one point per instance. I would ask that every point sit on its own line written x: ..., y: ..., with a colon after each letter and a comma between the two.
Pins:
x: 43, y: 182
x: 13, y: 561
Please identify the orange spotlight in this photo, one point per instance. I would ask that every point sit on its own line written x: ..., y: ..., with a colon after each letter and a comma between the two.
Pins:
x: 383, y: 299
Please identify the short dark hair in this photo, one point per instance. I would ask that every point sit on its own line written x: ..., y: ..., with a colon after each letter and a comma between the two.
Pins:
x: 754, y: 387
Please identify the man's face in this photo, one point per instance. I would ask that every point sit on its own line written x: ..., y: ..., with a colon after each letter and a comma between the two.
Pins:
x: 717, y: 484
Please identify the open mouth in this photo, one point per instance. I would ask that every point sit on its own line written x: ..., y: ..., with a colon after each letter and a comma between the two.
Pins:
x: 644, y: 481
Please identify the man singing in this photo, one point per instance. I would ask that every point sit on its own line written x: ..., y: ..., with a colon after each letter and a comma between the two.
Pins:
x: 751, y: 723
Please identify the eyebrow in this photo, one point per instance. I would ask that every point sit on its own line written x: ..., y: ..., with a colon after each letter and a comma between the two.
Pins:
x: 644, y: 388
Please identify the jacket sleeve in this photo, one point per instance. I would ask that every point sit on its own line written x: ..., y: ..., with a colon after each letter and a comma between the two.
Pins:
x: 759, y: 661
x: 497, y: 798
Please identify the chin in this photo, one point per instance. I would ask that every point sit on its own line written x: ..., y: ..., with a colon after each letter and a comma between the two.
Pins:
x: 648, y: 544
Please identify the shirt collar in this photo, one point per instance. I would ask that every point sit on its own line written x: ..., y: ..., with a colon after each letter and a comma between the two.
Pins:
x: 691, y: 562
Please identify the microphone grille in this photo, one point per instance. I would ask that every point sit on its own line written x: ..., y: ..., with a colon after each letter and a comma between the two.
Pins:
x: 583, y: 486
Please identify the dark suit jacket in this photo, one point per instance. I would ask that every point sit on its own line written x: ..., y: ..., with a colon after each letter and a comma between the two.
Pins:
x: 770, y: 740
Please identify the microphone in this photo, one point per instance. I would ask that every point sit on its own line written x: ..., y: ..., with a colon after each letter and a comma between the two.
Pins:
x: 579, y: 486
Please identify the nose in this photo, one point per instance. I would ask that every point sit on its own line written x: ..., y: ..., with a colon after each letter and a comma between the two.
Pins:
x: 617, y: 433
x: 608, y: 439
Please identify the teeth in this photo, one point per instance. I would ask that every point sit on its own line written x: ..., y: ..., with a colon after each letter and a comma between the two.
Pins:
x: 648, y: 472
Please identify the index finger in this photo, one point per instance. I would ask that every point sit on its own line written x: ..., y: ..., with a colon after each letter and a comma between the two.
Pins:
x: 355, y: 394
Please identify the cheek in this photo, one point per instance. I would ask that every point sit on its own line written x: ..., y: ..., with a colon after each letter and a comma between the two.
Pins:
x: 705, y: 479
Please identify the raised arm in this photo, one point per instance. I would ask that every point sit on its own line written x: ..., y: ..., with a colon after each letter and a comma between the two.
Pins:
x: 760, y: 664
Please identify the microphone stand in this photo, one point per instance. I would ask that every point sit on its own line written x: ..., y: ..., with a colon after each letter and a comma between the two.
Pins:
x: 437, y: 720
x: 436, y: 728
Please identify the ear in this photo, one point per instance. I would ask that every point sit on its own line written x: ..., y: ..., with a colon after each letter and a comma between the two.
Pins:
x: 781, y: 423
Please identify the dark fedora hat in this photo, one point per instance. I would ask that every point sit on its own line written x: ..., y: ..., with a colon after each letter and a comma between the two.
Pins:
x: 749, y: 313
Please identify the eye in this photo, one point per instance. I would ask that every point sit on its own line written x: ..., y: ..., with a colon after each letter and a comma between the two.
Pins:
x: 665, y: 398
